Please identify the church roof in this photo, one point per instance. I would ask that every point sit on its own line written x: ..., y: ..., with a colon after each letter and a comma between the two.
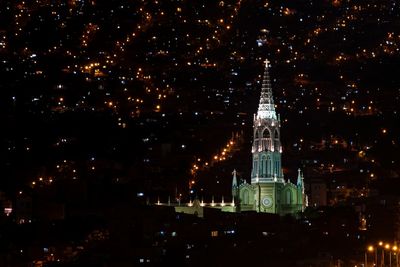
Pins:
x: 266, y: 107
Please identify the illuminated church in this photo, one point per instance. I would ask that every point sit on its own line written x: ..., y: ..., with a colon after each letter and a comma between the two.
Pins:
x: 268, y: 191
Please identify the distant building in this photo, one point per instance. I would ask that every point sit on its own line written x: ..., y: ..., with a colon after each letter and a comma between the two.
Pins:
x: 268, y: 190
x: 318, y: 193
x: 5, y: 205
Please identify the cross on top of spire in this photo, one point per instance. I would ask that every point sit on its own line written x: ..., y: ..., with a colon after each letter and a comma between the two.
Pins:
x: 266, y: 108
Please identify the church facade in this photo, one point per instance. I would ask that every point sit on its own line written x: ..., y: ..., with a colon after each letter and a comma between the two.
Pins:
x: 268, y: 191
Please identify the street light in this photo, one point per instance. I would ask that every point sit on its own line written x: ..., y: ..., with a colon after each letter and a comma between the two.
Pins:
x: 383, y: 253
x: 387, y: 247
x: 372, y: 249
x: 395, y: 249
x: 369, y: 249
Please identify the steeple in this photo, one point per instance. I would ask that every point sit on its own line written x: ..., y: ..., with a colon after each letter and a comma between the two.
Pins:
x: 302, y: 197
x: 266, y: 147
x: 299, y: 178
x: 235, y: 188
x: 234, y: 179
x: 266, y: 107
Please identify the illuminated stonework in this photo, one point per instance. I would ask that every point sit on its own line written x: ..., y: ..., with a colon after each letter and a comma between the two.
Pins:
x: 268, y: 190
x: 266, y: 108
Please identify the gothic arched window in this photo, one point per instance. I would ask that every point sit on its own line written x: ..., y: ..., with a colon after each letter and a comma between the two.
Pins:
x: 269, y: 166
x: 288, y: 197
x: 256, y: 135
x: 266, y: 134
x: 246, y: 198
x: 277, y: 168
x: 263, y: 166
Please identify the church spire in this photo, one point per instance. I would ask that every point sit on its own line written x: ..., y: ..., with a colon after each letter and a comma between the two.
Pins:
x: 266, y: 108
x: 234, y: 179
x: 235, y: 188
x: 299, y: 178
x: 303, y: 200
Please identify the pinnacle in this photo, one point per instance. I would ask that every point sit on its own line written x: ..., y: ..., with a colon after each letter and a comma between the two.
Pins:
x: 266, y: 108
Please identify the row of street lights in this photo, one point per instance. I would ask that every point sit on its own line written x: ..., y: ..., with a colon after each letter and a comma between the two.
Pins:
x: 385, y: 248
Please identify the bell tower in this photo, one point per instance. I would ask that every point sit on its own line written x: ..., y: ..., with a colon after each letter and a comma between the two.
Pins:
x: 266, y: 147
x: 267, y: 176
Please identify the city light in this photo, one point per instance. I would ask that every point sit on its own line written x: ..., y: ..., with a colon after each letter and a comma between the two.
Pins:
x: 109, y: 108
